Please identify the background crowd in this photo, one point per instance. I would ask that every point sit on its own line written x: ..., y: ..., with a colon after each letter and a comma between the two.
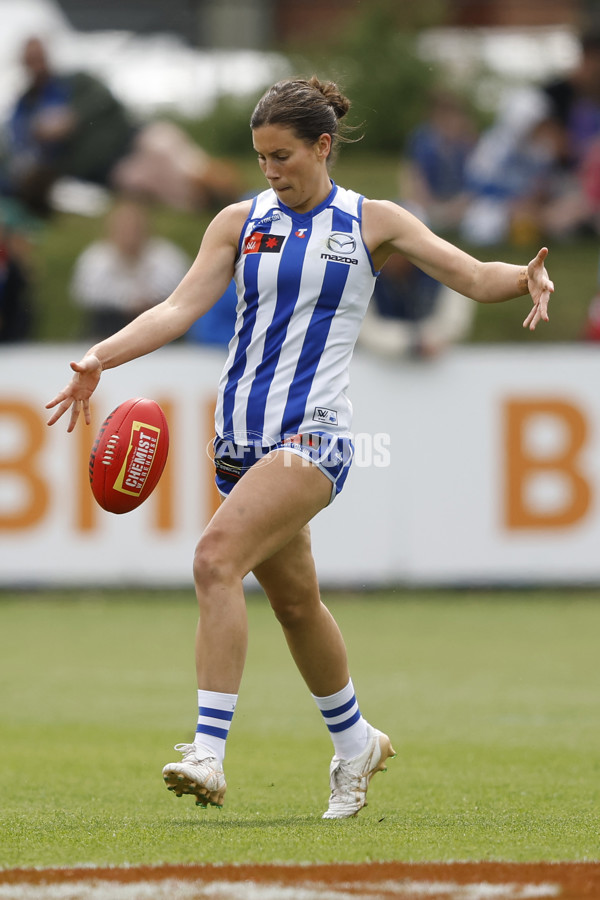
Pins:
x: 532, y: 174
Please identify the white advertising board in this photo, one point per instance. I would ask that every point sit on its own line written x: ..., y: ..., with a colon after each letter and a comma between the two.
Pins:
x: 482, y: 467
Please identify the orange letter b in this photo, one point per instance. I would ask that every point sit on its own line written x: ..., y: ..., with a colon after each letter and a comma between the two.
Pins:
x: 524, y: 463
x: 23, y: 467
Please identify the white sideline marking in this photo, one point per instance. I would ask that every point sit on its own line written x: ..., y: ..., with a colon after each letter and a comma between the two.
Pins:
x: 174, y: 889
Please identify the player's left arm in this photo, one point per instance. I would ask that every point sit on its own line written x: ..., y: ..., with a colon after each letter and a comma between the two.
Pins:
x: 388, y: 228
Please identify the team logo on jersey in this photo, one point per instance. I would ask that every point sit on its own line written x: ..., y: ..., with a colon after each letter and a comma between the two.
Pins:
x: 321, y: 414
x: 301, y: 233
x: 258, y: 242
x: 341, y: 243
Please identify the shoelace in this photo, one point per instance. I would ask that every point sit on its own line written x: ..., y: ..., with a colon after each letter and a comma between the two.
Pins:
x: 186, y: 749
x: 189, y: 754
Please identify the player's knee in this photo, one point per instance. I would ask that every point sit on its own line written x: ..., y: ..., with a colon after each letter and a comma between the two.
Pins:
x: 291, y: 612
x: 213, y: 565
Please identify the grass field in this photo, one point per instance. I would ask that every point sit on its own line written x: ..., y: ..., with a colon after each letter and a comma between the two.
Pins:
x: 492, y: 702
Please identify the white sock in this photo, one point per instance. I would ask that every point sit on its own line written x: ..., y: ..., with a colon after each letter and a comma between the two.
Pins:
x: 215, y: 712
x: 346, y: 726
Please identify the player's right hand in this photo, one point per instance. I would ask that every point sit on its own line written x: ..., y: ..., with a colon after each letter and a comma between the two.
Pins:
x: 77, y: 393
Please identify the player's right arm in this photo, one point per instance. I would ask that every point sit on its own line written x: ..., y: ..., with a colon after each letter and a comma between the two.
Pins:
x: 204, y: 283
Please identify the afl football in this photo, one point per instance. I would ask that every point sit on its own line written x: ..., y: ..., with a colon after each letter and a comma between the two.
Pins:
x: 129, y: 455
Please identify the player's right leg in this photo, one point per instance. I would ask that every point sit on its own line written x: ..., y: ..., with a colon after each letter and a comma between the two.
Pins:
x: 269, y: 506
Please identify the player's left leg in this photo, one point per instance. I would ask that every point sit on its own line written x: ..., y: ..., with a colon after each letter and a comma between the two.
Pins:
x: 317, y: 646
x: 289, y: 580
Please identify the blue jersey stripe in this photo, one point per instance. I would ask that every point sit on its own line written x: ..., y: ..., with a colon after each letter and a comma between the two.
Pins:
x: 288, y: 289
x: 375, y: 271
x: 243, y: 231
x: 248, y: 321
x: 334, y: 282
x: 244, y: 336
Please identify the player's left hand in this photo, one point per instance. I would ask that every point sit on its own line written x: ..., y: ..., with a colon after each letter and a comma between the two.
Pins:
x: 540, y: 287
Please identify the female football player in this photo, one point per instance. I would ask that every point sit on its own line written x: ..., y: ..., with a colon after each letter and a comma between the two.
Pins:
x: 304, y: 254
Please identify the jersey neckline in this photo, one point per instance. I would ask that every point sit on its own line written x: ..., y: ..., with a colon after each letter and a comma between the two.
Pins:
x: 303, y: 217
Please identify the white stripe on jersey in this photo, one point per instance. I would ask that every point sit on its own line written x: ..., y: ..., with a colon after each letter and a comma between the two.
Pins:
x: 303, y: 284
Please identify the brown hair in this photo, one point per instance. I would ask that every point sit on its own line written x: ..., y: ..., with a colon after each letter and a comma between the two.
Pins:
x: 310, y: 107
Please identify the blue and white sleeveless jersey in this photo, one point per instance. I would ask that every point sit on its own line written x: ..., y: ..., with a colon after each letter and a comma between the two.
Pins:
x: 303, y: 284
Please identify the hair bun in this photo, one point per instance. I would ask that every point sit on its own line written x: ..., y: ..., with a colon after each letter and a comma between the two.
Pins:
x: 338, y: 102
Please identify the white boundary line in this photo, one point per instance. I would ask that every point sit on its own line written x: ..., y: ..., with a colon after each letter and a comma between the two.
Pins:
x: 177, y: 889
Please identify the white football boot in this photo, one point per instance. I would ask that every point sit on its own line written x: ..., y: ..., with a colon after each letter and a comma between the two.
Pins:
x: 349, y: 778
x: 199, y: 774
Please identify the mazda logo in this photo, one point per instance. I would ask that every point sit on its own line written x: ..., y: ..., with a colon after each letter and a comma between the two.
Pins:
x: 341, y: 243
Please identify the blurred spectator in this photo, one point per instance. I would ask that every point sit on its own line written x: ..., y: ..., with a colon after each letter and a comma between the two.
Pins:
x: 131, y: 270
x: 574, y: 102
x: 432, y: 182
x: 16, y: 312
x: 536, y: 171
x: 589, y: 178
x: 216, y: 326
x: 412, y: 314
x: 574, y: 110
x: 591, y: 329
x: 72, y: 125
x: 511, y: 172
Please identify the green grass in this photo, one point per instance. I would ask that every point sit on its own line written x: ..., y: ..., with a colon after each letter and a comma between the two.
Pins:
x: 492, y: 702
x: 573, y: 266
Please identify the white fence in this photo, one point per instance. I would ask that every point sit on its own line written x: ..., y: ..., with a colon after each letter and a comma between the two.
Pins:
x: 481, y: 467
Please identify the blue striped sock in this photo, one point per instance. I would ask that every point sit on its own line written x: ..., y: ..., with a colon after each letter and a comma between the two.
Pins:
x: 346, y: 726
x: 215, y: 712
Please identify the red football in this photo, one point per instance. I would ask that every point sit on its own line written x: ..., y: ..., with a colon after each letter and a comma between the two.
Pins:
x: 129, y: 455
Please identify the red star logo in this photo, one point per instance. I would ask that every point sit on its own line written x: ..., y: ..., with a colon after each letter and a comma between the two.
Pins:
x: 271, y: 242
